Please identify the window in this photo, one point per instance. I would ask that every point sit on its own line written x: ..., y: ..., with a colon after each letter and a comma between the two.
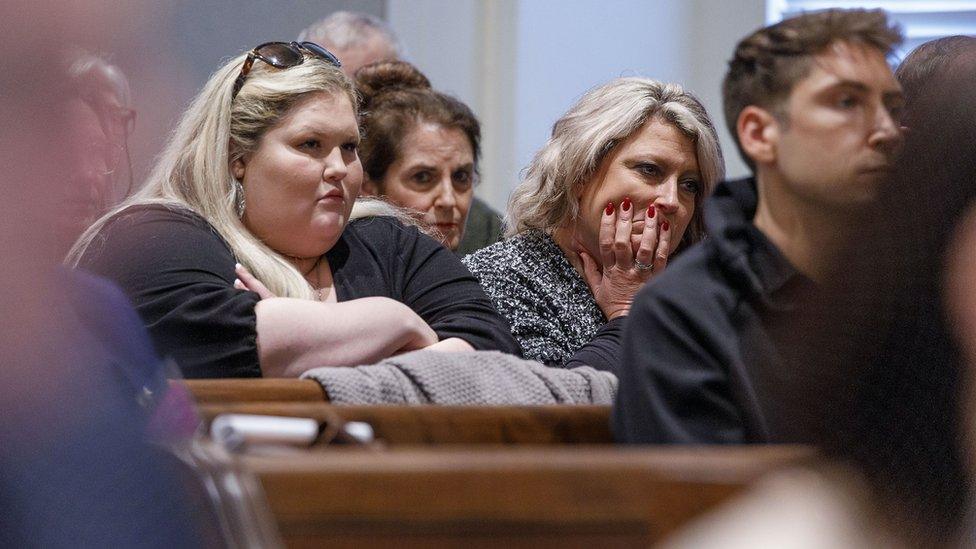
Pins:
x: 921, y: 20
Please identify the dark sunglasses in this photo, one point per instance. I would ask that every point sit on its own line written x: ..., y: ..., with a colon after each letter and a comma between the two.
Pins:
x: 282, y: 55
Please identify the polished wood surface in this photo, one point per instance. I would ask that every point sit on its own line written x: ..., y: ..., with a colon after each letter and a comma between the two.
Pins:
x: 255, y: 390
x: 556, y: 496
x: 451, y: 424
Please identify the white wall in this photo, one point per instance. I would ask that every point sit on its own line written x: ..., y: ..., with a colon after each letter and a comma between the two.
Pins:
x: 521, y: 63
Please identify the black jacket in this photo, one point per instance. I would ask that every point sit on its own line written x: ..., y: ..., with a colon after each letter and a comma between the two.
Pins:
x: 700, y: 356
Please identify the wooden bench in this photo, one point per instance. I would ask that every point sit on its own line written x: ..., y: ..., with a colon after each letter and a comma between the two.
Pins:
x: 215, y: 391
x: 397, y: 425
x: 556, y: 496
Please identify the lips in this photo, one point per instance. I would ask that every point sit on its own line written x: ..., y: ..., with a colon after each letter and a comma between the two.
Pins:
x: 333, y: 197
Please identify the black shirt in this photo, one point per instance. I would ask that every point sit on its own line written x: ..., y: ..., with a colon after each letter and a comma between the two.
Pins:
x: 700, y: 357
x: 179, y: 273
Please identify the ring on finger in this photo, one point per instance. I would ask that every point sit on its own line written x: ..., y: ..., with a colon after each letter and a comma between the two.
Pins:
x: 643, y: 266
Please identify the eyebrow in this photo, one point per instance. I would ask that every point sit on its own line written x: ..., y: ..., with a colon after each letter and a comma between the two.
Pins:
x: 305, y: 129
x: 639, y: 156
x: 862, y: 87
x: 422, y: 166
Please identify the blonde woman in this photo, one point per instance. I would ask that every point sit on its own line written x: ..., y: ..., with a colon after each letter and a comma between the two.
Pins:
x: 613, y: 194
x: 261, y: 176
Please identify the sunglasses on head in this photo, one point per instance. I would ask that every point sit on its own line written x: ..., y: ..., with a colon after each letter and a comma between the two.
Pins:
x: 282, y: 55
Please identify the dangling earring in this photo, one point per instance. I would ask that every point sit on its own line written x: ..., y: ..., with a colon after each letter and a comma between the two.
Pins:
x: 238, y: 190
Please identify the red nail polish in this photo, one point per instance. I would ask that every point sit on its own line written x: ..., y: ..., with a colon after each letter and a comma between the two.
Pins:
x: 650, y: 211
x: 625, y: 205
x: 665, y: 226
x: 609, y: 210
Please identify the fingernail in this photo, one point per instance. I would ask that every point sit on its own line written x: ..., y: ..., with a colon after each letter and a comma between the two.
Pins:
x: 625, y: 205
x: 238, y: 266
x: 665, y: 226
x: 609, y: 210
x: 650, y: 211
x: 238, y: 283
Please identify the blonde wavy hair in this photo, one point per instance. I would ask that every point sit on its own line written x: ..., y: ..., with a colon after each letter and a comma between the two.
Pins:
x: 582, y: 138
x: 193, y: 171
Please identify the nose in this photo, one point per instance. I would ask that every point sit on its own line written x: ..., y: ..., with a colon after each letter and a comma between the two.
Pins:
x: 667, y: 201
x: 445, y: 194
x: 335, y: 169
x: 886, y: 135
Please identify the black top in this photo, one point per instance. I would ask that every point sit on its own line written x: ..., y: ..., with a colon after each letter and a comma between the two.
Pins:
x: 699, y: 349
x: 179, y: 273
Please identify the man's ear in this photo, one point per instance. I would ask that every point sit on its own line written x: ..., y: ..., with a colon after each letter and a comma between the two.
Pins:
x: 237, y: 169
x: 758, y: 132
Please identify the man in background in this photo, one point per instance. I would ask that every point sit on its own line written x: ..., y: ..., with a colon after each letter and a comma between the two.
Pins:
x: 815, y: 110
x: 360, y: 39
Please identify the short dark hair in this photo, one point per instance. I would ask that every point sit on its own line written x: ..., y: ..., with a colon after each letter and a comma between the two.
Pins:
x: 929, y: 60
x: 395, y: 98
x: 769, y: 62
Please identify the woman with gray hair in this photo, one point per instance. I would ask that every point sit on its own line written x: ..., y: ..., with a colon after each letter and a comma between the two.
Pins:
x: 612, y: 195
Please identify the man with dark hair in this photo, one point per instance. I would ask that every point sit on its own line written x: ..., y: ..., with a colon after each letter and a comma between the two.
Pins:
x: 814, y: 107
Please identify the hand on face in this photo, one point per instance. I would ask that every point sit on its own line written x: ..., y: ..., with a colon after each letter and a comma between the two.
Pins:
x: 656, y: 166
x: 626, y: 263
x: 434, y: 176
x: 303, y: 179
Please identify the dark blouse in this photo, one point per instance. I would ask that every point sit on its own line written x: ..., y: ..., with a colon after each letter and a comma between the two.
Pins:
x: 179, y: 273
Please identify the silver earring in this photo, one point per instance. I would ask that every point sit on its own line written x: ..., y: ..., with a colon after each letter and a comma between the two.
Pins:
x: 238, y: 198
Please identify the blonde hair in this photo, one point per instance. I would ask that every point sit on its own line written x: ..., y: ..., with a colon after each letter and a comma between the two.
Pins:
x: 581, y: 139
x: 193, y: 172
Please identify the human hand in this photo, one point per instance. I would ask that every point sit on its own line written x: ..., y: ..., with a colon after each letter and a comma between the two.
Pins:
x: 624, y: 271
x: 247, y: 281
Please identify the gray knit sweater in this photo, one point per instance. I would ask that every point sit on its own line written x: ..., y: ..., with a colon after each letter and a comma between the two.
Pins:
x: 547, y: 303
x: 470, y: 378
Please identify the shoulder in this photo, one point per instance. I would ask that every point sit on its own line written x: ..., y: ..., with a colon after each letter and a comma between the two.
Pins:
x: 382, y: 231
x: 692, y: 296
x: 522, y: 252
x: 151, y: 240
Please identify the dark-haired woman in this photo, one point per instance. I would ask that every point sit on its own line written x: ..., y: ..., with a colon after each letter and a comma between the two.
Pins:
x: 421, y: 147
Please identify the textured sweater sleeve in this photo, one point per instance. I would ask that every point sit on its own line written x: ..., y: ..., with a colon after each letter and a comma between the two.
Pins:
x: 179, y: 275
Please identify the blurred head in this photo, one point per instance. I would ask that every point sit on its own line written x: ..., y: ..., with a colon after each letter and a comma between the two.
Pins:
x: 285, y: 147
x: 893, y: 395
x: 421, y: 147
x: 357, y: 39
x: 928, y: 61
x: 632, y: 137
x: 812, y: 102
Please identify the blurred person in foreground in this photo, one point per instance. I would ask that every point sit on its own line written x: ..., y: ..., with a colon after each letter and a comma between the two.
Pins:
x: 246, y: 253
x: 76, y: 469
x: 420, y: 148
x: 815, y: 110
x: 615, y: 192
x: 360, y: 39
x: 882, y: 361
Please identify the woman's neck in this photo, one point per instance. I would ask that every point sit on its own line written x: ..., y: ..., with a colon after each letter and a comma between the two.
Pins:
x: 565, y: 238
